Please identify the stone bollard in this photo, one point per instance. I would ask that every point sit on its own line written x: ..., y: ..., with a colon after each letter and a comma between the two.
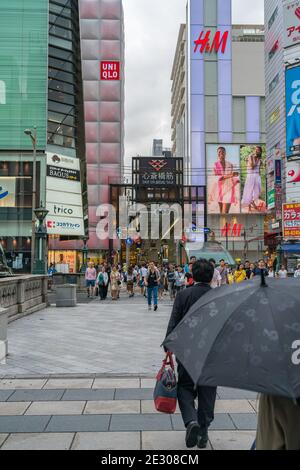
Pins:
x: 3, y: 334
x: 66, y: 295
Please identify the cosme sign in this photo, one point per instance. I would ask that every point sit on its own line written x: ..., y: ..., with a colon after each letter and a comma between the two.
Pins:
x: 208, y: 43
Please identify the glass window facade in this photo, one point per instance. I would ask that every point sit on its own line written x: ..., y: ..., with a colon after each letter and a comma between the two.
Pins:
x: 64, y: 73
x: 23, y: 72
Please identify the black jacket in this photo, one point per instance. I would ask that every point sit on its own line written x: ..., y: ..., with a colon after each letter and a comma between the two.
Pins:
x: 183, y: 302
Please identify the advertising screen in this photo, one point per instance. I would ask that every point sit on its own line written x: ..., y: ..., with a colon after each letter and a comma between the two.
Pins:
x: 7, y: 192
x: 292, y: 85
x: 235, y: 176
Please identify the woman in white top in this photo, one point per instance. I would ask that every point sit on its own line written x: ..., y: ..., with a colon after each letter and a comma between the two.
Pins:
x: 282, y: 274
x: 271, y: 272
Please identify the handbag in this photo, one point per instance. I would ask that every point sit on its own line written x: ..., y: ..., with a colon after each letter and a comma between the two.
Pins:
x: 165, y: 392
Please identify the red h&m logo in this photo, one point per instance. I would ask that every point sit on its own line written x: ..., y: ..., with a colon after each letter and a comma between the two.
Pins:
x: 232, y: 230
x: 204, y: 44
x: 297, y: 13
x: 110, y: 70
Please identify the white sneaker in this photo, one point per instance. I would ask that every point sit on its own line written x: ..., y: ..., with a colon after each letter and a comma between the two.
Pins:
x: 149, y: 307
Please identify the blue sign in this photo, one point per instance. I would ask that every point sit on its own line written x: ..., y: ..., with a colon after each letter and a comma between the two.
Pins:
x: 129, y: 242
x: 292, y: 85
x: 278, y: 177
x: 3, y: 194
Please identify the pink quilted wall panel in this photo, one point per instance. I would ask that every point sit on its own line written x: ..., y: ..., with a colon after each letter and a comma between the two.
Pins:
x: 109, y: 91
x: 91, y: 70
x: 110, y: 29
x: 110, y: 112
x: 89, y: 9
x: 92, y: 153
x: 90, y: 50
x: 91, y: 132
x: 91, y: 91
x: 109, y: 132
x: 110, y: 153
x: 110, y: 50
x: 91, y: 110
x: 110, y: 9
x: 90, y: 29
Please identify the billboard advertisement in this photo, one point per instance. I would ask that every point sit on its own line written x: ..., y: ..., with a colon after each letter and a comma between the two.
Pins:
x: 291, y: 221
x: 291, y: 14
x: 23, y: 72
x: 64, y: 198
x: 235, y: 179
x: 292, y: 88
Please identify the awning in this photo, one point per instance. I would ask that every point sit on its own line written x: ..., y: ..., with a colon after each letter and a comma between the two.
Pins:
x: 292, y: 248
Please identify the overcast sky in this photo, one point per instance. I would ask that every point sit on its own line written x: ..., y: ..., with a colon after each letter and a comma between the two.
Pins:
x: 151, y: 30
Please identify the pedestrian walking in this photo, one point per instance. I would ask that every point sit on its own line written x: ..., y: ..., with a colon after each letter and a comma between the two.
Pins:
x: 179, y: 280
x: 142, y: 275
x: 223, y: 273
x: 197, y: 421
x: 216, y: 280
x: 115, y: 282
x: 130, y: 281
x: 90, y: 277
x: 297, y: 272
x: 282, y: 273
x: 271, y: 272
x: 102, y: 281
x: 189, y: 281
x: 278, y: 423
x: 161, y: 284
x: 171, y: 281
x: 240, y: 274
x: 151, y: 282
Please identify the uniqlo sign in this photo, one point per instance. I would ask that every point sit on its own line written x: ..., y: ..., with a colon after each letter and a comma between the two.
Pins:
x: 291, y: 221
x: 109, y: 70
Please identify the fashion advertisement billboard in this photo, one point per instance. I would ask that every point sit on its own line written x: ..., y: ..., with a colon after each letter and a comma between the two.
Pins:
x: 292, y: 88
x: 235, y: 175
x: 7, y: 192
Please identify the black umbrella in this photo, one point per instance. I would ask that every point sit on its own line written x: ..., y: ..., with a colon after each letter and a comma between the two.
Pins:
x: 245, y: 336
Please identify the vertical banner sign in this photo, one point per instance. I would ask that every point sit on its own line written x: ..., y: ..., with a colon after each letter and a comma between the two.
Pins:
x: 291, y: 221
x: 291, y: 13
x: 278, y: 177
x: 292, y: 83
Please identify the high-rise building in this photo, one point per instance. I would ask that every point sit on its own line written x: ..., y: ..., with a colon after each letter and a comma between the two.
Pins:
x: 157, y: 147
x: 282, y: 68
x: 61, y: 71
x: 218, y: 121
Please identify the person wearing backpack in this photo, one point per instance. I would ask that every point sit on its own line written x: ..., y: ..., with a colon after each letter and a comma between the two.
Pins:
x: 151, y: 282
x: 102, y: 282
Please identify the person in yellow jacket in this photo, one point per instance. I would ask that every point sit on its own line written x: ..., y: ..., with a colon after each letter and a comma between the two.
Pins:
x: 240, y: 274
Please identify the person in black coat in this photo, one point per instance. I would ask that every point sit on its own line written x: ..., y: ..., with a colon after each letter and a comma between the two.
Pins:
x: 198, y: 421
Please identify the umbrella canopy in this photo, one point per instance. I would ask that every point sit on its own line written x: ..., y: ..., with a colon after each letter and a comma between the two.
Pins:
x: 244, y: 336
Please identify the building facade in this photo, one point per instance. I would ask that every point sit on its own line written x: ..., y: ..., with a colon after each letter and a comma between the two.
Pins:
x: 220, y: 102
x: 56, y: 75
x: 282, y: 69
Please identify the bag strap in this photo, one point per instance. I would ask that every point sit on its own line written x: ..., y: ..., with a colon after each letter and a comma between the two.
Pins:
x: 167, y: 361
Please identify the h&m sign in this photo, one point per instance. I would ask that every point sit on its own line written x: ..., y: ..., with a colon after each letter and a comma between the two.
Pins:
x: 207, y: 42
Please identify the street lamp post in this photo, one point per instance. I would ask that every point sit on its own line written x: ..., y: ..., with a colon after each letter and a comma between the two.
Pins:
x: 41, y: 236
x: 33, y: 138
x: 85, y: 251
x: 279, y: 252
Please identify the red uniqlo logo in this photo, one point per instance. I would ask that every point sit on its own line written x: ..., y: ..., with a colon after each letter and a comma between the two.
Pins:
x: 110, y: 70
x: 204, y: 45
x: 297, y: 13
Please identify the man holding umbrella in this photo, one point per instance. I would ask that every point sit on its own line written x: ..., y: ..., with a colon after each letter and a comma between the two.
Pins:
x: 198, y: 421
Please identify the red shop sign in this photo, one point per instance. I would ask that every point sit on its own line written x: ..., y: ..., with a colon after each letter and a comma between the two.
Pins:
x: 207, y: 44
x: 110, y: 70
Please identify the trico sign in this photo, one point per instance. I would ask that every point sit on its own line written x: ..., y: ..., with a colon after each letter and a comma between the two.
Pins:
x: 208, y: 43
x: 109, y: 70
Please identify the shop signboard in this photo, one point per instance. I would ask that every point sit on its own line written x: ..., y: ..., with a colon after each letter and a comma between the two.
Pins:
x: 278, y: 175
x: 291, y: 13
x: 64, y: 196
x: 291, y: 221
x: 278, y: 201
x: 271, y: 199
x: 110, y: 70
x: 157, y: 172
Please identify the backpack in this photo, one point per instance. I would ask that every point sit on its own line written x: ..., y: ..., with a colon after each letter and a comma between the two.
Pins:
x: 101, y: 279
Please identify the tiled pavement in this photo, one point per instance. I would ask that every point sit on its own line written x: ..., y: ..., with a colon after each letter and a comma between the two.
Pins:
x: 110, y: 414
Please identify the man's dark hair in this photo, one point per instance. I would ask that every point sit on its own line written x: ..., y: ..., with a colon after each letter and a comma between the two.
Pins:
x: 203, y: 271
x: 212, y: 261
x: 222, y: 148
x: 193, y: 257
x: 222, y: 260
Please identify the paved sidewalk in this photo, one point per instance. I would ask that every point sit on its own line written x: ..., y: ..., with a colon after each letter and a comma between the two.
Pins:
x: 110, y: 414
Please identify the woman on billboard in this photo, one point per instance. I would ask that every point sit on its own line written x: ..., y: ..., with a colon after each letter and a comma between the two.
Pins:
x: 253, y: 188
x: 226, y: 181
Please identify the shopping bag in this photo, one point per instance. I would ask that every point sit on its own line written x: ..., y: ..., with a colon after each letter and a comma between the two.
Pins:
x: 165, y: 392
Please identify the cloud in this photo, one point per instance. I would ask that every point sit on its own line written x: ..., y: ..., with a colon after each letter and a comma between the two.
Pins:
x: 151, y: 31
